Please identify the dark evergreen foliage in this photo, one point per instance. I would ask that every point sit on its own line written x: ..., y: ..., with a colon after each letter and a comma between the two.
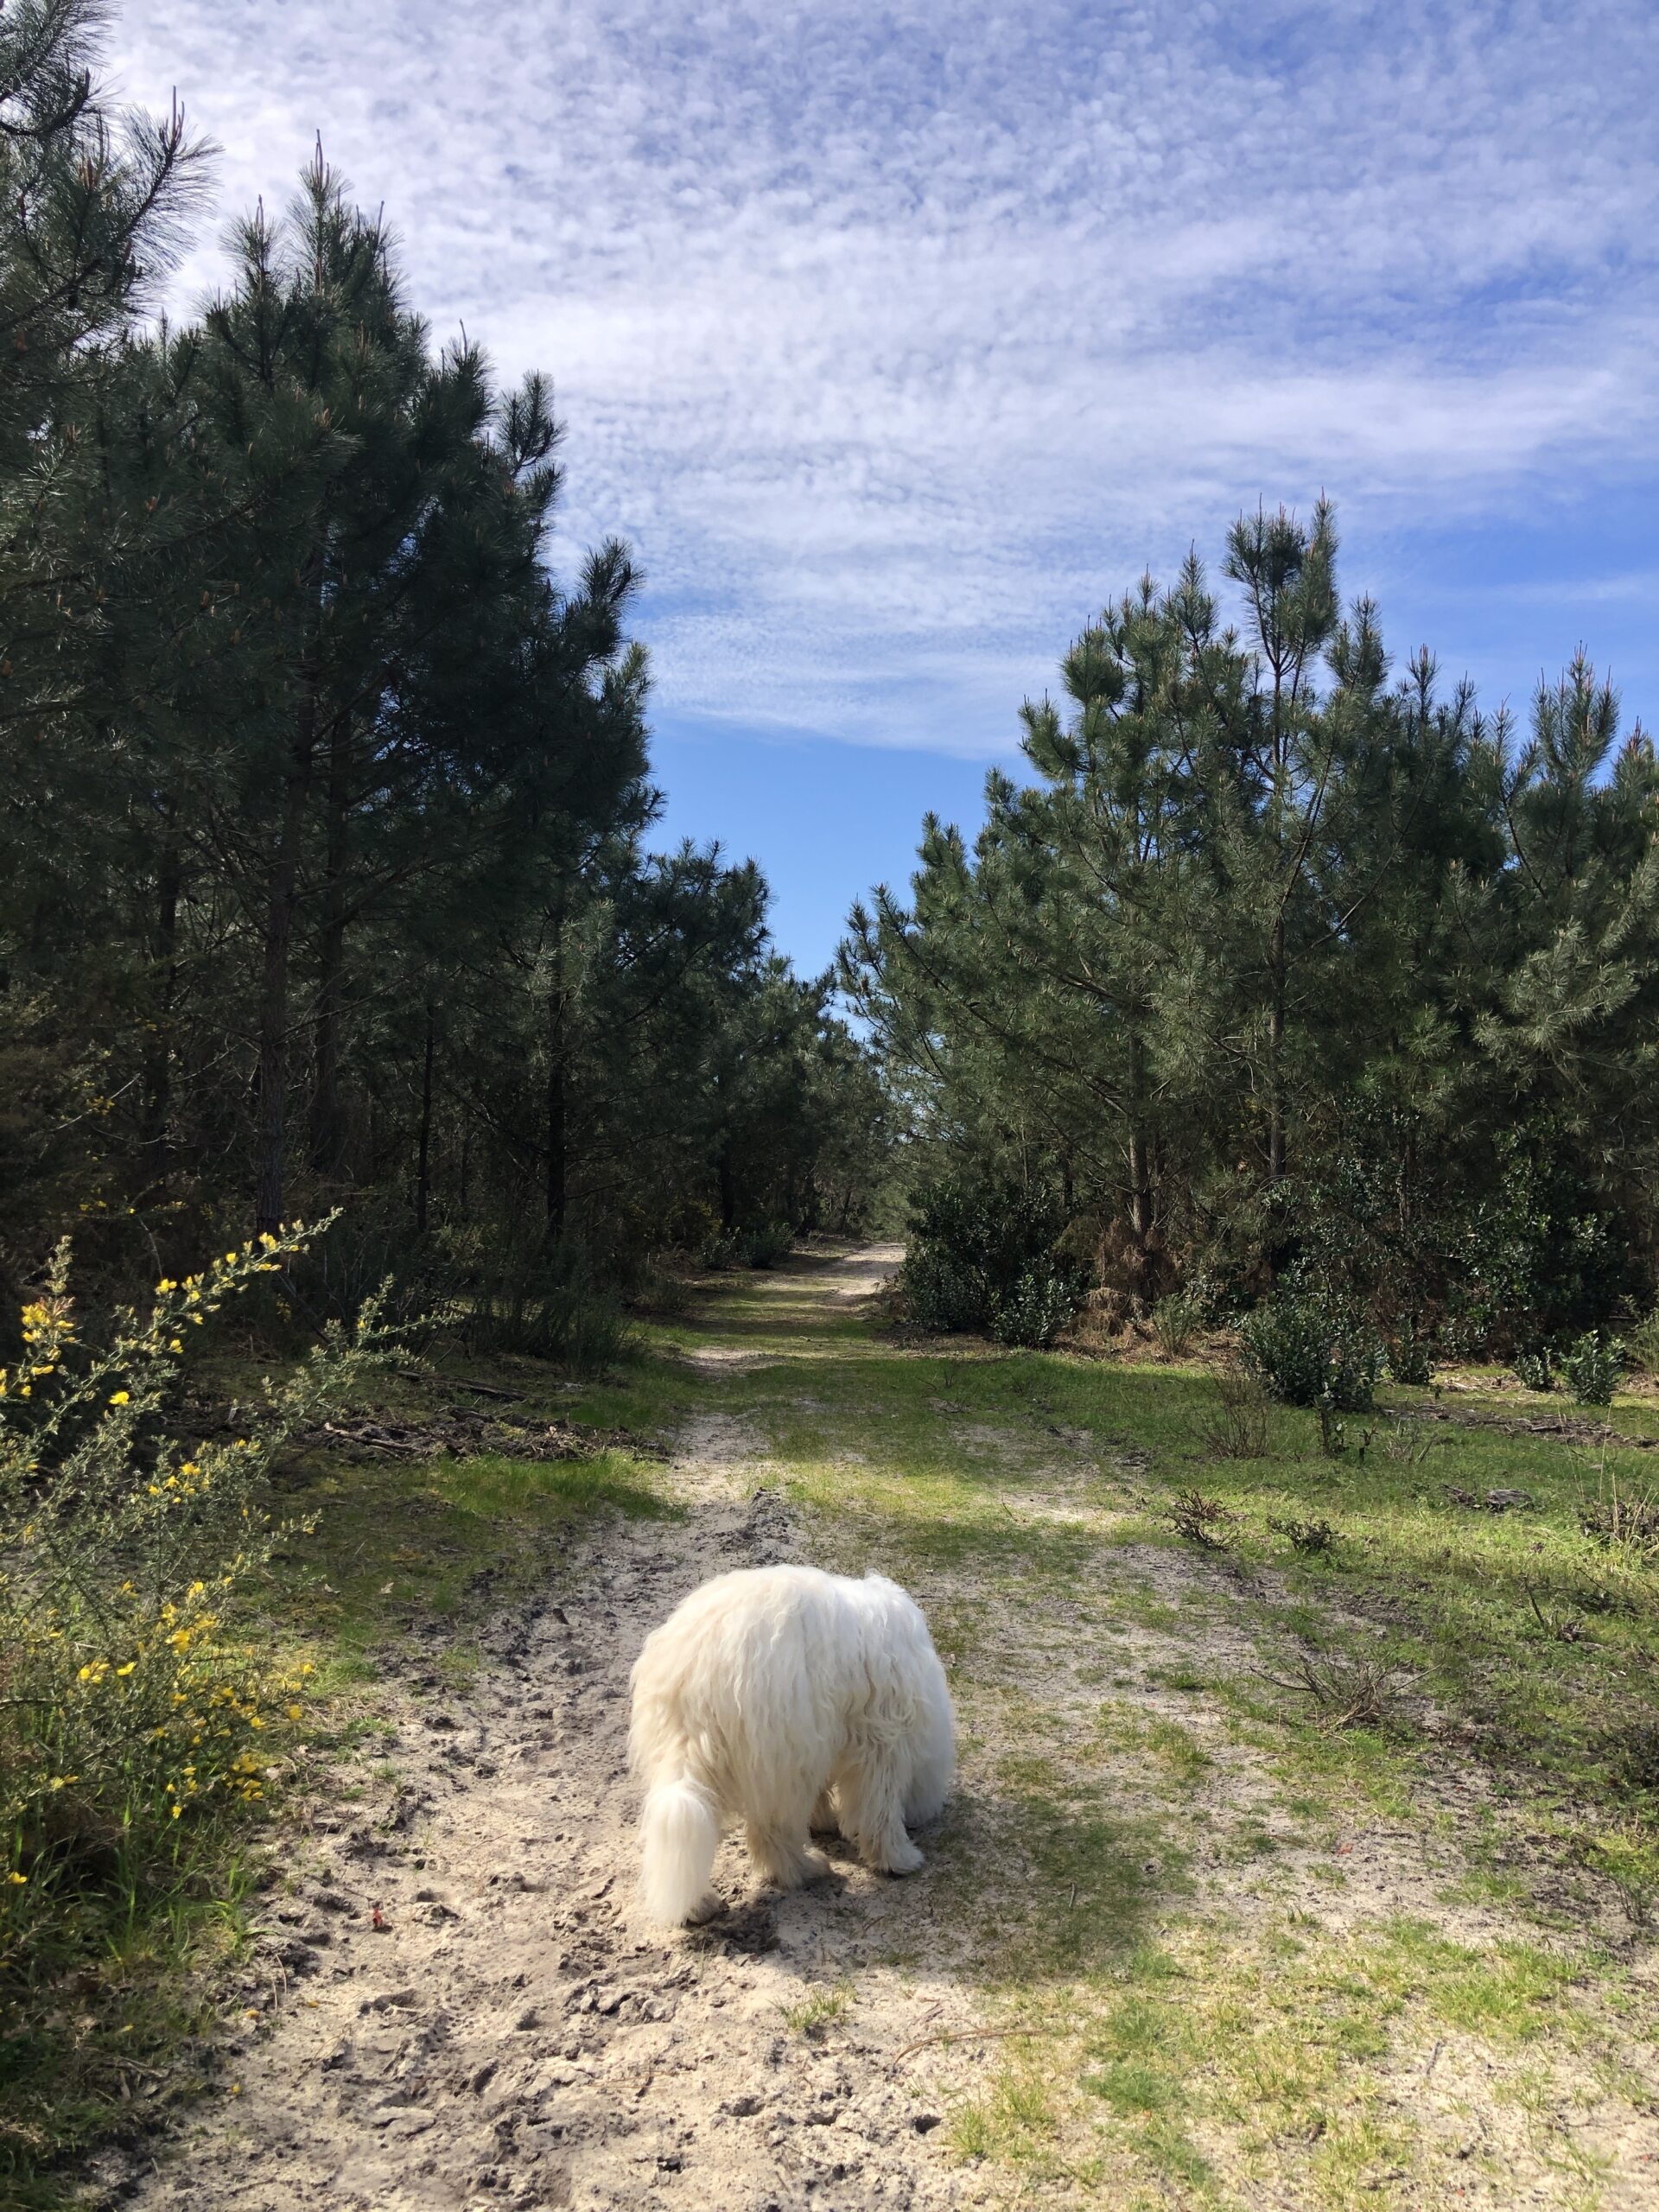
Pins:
x: 1280, y: 968
x: 324, y: 872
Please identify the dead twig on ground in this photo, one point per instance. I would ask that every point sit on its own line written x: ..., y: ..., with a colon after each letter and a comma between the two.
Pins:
x: 970, y: 2035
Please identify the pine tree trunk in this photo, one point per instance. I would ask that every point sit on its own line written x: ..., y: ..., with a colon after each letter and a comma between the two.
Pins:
x: 281, y: 898
x: 728, y: 1189
x: 1141, y: 1193
x: 327, y: 1133
x: 556, y: 1194
x: 1275, y: 1058
x: 423, y: 1179
x: 158, y: 1050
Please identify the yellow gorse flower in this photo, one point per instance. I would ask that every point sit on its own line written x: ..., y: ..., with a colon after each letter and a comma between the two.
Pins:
x: 166, y: 1709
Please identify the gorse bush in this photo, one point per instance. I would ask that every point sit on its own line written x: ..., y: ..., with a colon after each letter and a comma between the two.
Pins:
x: 128, y: 1697
x: 1313, y: 1347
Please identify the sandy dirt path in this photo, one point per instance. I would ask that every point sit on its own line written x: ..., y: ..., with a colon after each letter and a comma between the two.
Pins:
x: 467, y: 2009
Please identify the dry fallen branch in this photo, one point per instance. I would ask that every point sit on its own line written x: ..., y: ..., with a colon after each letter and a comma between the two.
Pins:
x: 460, y: 1382
x: 466, y: 1434
x: 970, y: 2035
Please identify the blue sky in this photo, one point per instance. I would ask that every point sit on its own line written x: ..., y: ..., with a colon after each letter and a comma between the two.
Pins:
x: 898, y: 338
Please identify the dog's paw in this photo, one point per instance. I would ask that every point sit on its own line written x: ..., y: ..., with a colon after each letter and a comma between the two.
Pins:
x: 707, y: 1907
x: 902, y: 1859
x: 815, y: 1867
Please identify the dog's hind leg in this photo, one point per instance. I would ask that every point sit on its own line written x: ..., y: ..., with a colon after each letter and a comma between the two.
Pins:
x: 787, y: 1860
x: 825, y: 1820
x: 679, y: 1831
x: 871, y: 1798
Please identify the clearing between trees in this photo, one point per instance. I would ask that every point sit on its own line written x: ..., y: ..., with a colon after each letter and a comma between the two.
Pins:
x: 1235, y: 1903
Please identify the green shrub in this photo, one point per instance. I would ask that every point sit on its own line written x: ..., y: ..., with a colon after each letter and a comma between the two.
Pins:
x: 1409, y: 1352
x: 372, y: 1251
x: 1538, y: 1256
x: 1592, y: 1368
x: 1175, y: 1321
x: 1643, y: 1343
x: 766, y: 1246
x: 129, y: 1701
x: 980, y: 1250
x: 941, y: 1294
x: 550, y: 1307
x: 720, y: 1248
x: 660, y: 1290
x: 1535, y: 1369
x: 1311, y: 1346
x: 1033, y: 1312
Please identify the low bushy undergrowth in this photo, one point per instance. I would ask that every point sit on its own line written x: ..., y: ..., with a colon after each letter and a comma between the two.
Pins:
x: 1313, y: 1347
x: 1034, y: 1311
x: 767, y: 1245
x: 1592, y: 1367
x: 548, y: 1306
x: 661, y: 1290
x: 981, y: 1257
x: 1409, y: 1352
x: 940, y: 1293
x: 1535, y: 1369
x: 762, y: 1245
x: 1175, y: 1321
x: 128, y: 1697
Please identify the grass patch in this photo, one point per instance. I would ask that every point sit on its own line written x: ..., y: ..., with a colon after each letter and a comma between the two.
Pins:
x: 819, y: 2011
x: 1137, y: 1884
x: 393, y: 1544
x: 1023, y: 1496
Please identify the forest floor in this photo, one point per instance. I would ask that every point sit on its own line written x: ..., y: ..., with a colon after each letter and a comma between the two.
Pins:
x: 1271, y: 1878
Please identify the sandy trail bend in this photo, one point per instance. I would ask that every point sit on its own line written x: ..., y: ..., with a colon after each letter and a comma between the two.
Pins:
x: 514, y: 2035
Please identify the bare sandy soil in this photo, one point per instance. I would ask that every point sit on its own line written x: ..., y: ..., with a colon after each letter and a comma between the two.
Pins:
x: 463, y: 2008
x: 470, y: 2013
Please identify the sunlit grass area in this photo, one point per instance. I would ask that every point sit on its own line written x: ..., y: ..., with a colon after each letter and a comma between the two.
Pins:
x: 1239, y: 1931
x: 1164, y: 1851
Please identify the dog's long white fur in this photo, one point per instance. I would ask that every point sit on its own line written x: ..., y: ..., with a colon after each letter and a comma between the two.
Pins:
x: 788, y: 1700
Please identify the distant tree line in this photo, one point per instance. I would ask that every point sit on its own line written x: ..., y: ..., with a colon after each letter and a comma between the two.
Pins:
x: 325, y: 809
x: 1282, y: 967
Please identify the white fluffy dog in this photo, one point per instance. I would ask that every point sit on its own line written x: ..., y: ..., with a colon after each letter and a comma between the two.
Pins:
x: 789, y: 1699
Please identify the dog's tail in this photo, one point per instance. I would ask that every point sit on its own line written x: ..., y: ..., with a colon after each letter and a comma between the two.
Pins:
x: 678, y: 1834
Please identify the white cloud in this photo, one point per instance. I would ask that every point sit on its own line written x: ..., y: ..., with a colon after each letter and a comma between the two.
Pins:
x: 896, y: 336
